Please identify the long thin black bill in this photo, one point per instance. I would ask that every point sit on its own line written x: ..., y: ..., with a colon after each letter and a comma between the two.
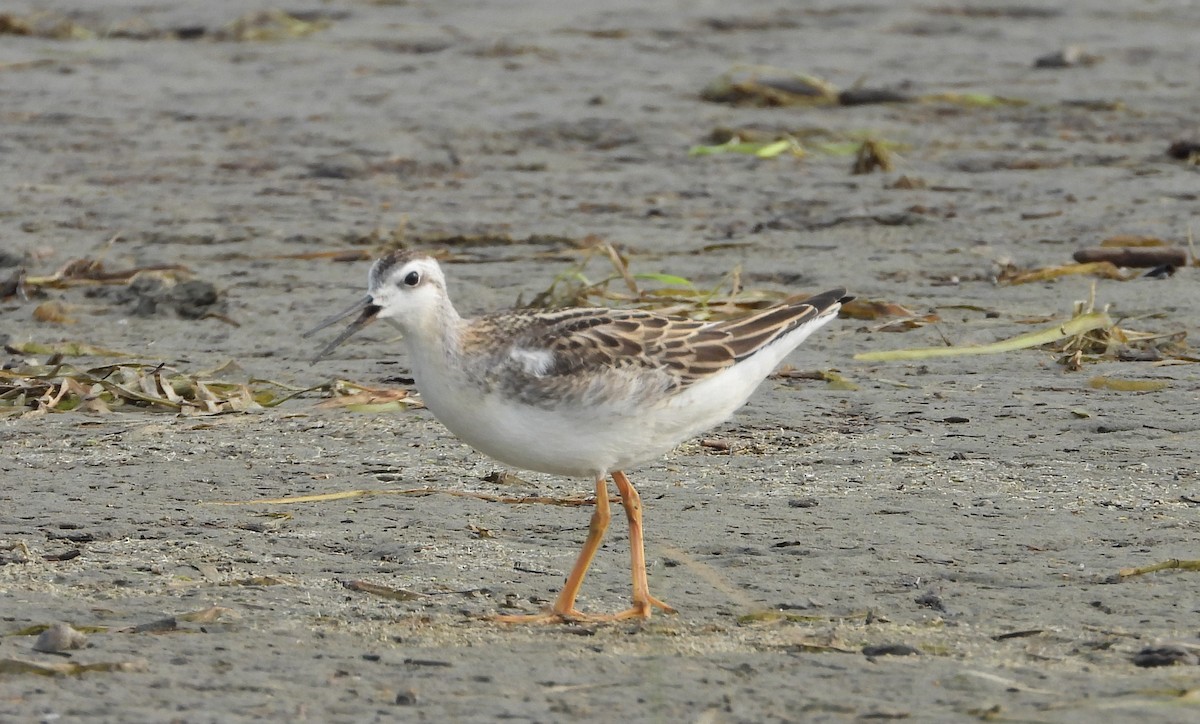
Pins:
x: 330, y: 321
x: 367, y: 314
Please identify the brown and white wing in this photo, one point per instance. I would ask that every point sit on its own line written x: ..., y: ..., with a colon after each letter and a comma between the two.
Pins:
x: 553, y: 353
x: 566, y: 345
x: 749, y: 334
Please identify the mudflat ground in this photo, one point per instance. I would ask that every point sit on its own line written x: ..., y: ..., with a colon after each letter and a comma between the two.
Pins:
x: 935, y: 544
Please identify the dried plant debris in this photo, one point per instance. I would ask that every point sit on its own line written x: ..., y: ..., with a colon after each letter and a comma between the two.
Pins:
x: 263, y: 25
x: 30, y: 388
x: 92, y: 272
x: 1109, y: 260
x: 761, y: 149
x: 54, y: 26
x: 205, y: 615
x: 335, y: 255
x: 68, y: 668
x: 39, y: 628
x: 775, y: 87
x: 835, y: 381
x: 666, y: 293
x: 901, y: 319
x: 145, y: 290
x: 1173, y: 564
x: 403, y: 239
x: 38, y: 389
x: 272, y: 24
x: 1088, y: 336
x: 1135, y: 240
x: 872, y: 155
x: 1011, y: 274
x: 360, y: 398
x: 769, y: 87
x: 770, y: 141
x: 20, y: 549
x: 1071, y: 329
x: 1125, y: 345
x: 721, y: 135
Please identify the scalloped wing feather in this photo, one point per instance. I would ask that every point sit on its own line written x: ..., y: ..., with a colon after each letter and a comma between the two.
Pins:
x: 597, y: 353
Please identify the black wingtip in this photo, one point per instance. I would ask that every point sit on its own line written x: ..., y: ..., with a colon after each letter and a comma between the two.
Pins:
x: 825, y: 300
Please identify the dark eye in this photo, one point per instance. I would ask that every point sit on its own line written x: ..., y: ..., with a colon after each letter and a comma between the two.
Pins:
x: 412, y: 279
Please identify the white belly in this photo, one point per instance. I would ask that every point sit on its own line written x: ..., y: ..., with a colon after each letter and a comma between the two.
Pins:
x: 571, y: 442
x: 584, y: 442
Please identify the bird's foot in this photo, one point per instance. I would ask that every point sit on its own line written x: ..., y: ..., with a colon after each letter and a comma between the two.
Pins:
x: 641, y: 609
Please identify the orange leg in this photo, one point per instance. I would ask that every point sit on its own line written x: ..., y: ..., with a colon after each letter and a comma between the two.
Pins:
x: 642, y: 600
x: 564, y: 609
x: 564, y: 606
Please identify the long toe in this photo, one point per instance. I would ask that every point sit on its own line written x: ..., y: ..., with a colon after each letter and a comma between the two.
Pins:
x: 665, y: 608
x: 642, y: 609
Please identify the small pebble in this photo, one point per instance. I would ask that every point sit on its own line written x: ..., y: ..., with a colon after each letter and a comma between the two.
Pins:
x: 340, y: 166
x: 1188, y: 150
x: 406, y: 698
x: 1068, y: 57
x: 865, y: 96
x: 890, y: 650
x: 59, y: 637
x: 931, y: 600
x: 1165, y: 655
x: 10, y: 258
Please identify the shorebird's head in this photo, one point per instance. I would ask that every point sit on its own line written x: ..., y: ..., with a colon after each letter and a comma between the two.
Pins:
x: 405, y: 287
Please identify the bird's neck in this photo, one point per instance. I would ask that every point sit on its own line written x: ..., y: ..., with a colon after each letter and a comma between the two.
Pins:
x: 435, y: 338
